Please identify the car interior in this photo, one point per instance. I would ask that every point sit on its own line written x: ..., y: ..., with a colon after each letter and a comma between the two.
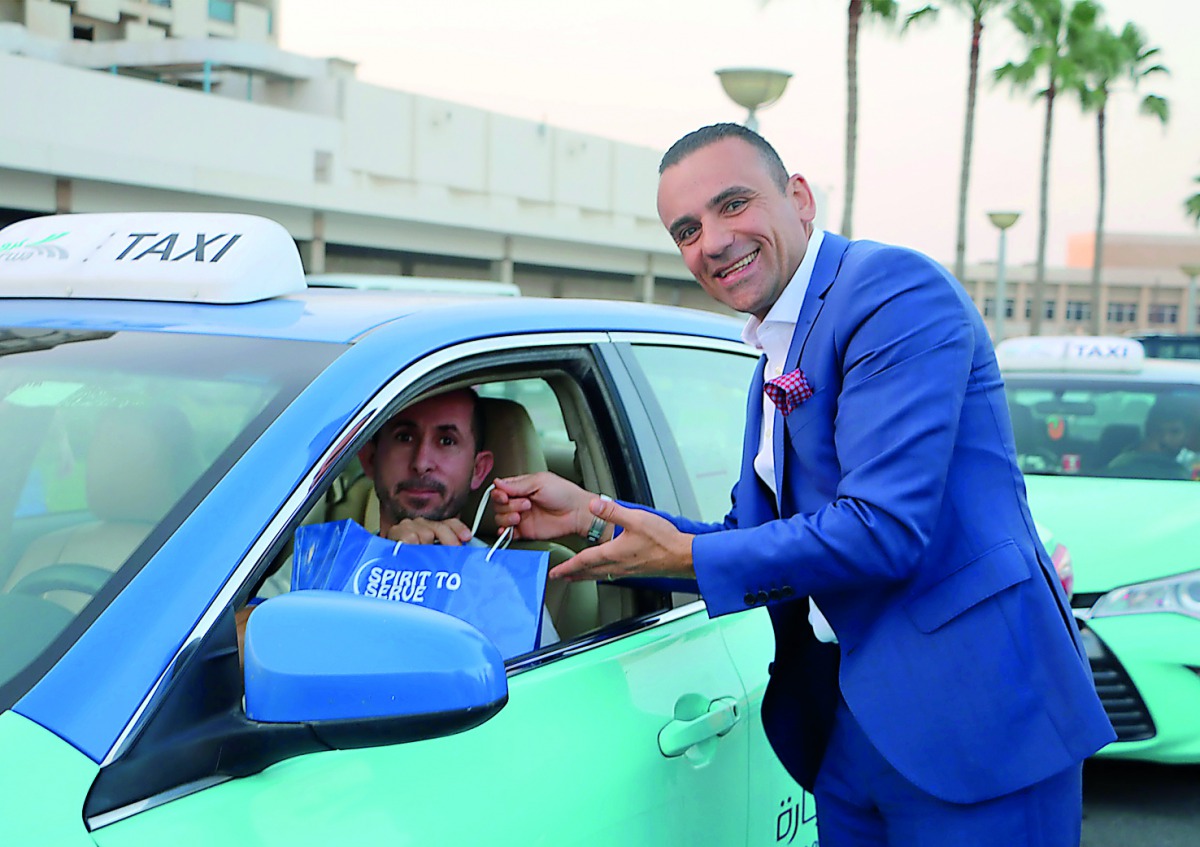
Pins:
x: 534, y: 420
x: 69, y: 565
x: 1093, y: 432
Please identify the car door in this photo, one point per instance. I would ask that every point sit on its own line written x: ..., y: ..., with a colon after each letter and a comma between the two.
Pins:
x: 635, y: 733
x: 695, y: 395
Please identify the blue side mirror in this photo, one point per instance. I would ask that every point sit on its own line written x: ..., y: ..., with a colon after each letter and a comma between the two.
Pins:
x: 352, y: 665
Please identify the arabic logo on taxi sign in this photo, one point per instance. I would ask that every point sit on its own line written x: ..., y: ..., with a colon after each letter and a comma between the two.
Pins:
x: 23, y: 250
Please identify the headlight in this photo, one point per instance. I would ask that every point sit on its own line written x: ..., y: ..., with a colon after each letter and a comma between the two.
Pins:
x: 1179, y: 594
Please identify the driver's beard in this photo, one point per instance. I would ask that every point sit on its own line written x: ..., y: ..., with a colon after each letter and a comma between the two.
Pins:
x: 396, y: 511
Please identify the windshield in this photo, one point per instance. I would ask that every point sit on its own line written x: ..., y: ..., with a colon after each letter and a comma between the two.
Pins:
x: 1129, y: 430
x: 107, y: 440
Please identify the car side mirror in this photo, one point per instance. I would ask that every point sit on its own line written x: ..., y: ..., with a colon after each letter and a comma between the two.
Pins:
x: 324, y: 670
x: 363, y: 672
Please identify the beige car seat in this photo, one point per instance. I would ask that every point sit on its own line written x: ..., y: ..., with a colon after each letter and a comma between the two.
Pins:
x: 139, y: 462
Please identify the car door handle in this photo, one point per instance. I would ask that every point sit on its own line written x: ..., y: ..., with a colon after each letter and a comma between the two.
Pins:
x: 680, y: 735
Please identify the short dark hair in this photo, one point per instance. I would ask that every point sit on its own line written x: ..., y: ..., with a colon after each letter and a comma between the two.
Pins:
x: 706, y: 135
x: 1166, y: 409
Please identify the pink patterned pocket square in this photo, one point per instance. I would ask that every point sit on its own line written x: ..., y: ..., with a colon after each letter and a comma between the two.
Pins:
x: 788, y: 391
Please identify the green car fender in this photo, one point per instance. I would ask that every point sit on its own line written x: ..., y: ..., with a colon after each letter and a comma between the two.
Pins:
x: 43, y: 783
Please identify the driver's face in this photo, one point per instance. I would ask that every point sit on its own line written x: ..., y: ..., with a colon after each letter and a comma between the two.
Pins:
x: 423, y: 461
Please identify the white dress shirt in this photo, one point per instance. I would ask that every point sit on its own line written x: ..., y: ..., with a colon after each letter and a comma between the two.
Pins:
x: 773, y: 335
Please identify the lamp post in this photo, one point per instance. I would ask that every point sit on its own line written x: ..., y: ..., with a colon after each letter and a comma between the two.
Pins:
x: 1191, y: 270
x: 753, y: 89
x: 1002, y: 221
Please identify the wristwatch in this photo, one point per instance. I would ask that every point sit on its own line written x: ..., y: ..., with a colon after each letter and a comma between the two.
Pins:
x: 598, y: 523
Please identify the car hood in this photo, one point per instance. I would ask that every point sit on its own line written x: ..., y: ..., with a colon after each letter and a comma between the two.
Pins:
x: 1119, y: 531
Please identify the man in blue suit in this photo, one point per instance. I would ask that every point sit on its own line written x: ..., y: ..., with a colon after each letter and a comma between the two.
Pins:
x: 929, y: 684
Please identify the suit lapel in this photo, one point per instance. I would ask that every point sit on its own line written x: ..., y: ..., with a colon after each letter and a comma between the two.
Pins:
x: 829, y: 259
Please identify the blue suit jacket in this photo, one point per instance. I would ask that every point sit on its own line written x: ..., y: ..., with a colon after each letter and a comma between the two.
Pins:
x: 904, y: 516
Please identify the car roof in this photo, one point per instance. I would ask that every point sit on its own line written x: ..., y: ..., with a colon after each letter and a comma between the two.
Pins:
x: 342, y: 316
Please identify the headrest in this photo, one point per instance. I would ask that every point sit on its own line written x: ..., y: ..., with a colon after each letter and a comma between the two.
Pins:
x: 510, y: 435
x: 1116, y: 437
x: 139, y: 463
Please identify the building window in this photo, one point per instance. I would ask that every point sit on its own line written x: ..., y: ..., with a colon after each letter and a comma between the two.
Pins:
x: 1047, y: 309
x: 1122, y: 313
x: 1078, y: 310
x: 220, y: 10
x: 1163, y: 314
x: 989, y: 307
x: 166, y: 4
x: 83, y: 33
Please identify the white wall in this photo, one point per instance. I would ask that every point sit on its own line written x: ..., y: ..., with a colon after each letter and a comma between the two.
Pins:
x: 405, y: 172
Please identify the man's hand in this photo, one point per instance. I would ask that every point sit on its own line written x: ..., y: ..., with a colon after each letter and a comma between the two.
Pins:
x: 451, y: 532
x: 647, y: 546
x: 541, y: 506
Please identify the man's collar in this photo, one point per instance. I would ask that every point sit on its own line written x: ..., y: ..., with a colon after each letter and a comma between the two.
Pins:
x: 787, y: 308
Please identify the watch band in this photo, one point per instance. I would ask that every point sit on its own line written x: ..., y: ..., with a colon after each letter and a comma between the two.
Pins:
x: 598, y: 523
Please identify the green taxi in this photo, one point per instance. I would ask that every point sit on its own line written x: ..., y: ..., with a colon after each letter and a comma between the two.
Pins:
x: 1109, y: 441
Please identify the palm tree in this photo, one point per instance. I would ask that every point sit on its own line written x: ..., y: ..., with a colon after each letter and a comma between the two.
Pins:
x: 1049, y: 29
x: 1191, y: 206
x: 977, y: 10
x: 1107, y: 58
x: 884, y: 10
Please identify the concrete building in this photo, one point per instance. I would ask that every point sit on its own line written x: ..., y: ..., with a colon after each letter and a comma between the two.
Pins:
x: 1144, y: 287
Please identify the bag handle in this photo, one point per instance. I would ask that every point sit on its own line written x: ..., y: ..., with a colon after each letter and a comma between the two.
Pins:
x: 505, y: 537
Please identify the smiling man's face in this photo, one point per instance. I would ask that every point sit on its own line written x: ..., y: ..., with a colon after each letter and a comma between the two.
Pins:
x: 741, y: 235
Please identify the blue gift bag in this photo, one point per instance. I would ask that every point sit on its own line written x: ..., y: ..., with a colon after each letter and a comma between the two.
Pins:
x: 498, y: 591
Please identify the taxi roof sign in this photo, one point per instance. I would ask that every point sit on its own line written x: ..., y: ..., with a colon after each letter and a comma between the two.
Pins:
x: 1071, y: 354
x: 174, y: 256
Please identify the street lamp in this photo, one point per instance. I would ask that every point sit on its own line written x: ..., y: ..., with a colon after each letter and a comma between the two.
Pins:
x: 753, y: 89
x: 1002, y: 221
x: 1191, y: 270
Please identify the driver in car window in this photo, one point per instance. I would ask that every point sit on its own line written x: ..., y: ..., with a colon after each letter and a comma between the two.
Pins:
x: 1157, y: 455
x: 423, y: 464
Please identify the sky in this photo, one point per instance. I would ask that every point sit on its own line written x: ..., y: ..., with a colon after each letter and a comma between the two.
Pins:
x: 642, y: 72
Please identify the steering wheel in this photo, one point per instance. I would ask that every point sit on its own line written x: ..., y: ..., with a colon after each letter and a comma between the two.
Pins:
x: 86, y: 579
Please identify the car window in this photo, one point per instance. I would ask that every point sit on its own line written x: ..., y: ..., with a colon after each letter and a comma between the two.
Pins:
x: 102, y: 434
x: 702, y: 396
x: 537, y: 397
x: 1171, y: 346
x: 571, y: 430
x: 1110, y: 429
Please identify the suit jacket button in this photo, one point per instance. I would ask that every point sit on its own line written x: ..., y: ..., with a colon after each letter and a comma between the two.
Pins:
x: 774, y: 593
x: 750, y: 598
x: 763, y: 596
x: 787, y: 591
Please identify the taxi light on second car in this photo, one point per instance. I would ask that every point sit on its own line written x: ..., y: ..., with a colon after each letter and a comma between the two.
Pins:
x: 1071, y: 354
x: 1179, y: 594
